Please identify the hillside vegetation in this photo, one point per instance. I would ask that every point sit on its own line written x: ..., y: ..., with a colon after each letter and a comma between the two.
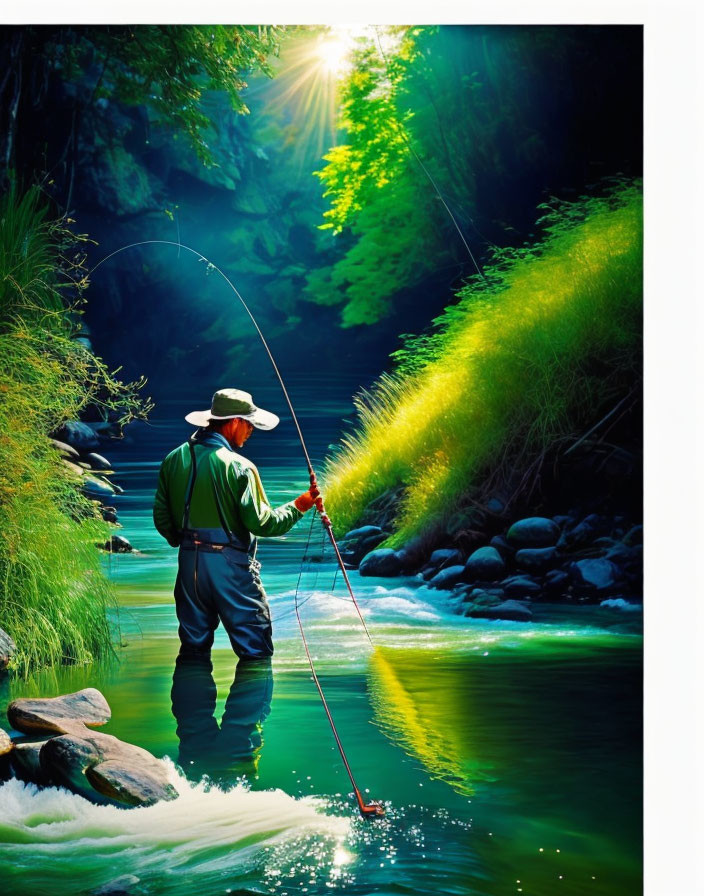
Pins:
x: 53, y: 593
x: 522, y: 362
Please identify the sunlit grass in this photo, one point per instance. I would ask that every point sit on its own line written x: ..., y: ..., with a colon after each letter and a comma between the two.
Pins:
x: 53, y: 594
x: 518, y: 363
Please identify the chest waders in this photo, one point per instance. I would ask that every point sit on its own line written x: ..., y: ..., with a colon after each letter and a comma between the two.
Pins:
x: 218, y: 581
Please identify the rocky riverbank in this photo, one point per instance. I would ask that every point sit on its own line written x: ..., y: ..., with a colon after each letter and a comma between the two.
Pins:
x: 56, y: 745
x: 571, y: 558
x: 77, y: 443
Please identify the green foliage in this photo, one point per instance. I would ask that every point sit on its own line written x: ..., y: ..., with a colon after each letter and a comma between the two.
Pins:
x: 521, y: 363
x: 170, y: 68
x: 53, y: 594
x: 377, y: 149
x: 487, y: 118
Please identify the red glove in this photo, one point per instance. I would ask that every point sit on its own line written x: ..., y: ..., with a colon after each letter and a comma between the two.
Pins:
x: 312, y: 497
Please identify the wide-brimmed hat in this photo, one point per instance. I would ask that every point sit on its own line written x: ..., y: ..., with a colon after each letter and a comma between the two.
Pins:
x: 229, y: 403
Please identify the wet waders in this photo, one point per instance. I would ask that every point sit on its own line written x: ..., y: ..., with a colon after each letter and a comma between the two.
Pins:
x: 218, y: 580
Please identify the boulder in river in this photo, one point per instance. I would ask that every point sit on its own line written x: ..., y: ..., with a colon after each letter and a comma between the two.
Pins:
x: 511, y: 610
x: 8, y: 648
x: 447, y: 578
x: 78, y: 435
x: 521, y: 586
x: 597, y: 574
x: 58, y: 715
x: 535, y: 559
x: 25, y: 762
x: 533, y: 532
x: 484, y: 565
x: 97, y: 461
x: 5, y: 742
x: 118, y: 544
x: 443, y: 557
x: 95, y: 762
x: 382, y: 562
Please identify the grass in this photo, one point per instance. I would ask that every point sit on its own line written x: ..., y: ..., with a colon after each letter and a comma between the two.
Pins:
x: 521, y: 362
x: 53, y: 593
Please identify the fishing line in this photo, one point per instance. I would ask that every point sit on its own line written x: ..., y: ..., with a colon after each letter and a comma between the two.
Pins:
x: 373, y: 808
x: 404, y: 134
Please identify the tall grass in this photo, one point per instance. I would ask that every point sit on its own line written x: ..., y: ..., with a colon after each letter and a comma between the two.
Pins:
x: 53, y: 594
x: 521, y: 362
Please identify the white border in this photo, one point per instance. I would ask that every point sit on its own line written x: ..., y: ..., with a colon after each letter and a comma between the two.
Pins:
x: 674, y: 380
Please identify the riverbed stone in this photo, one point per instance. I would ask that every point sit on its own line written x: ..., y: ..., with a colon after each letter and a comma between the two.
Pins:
x: 5, y: 742
x: 78, y: 435
x: 118, y: 544
x: 97, y: 461
x: 59, y: 715
x: 67, y: 451
x: 502, y: 546
x: 96, y: 487
x: 93, y: 762
x: 485, y: 597
x: 510, y: 610
x: 556, y: 581
x: 521, y: 586
x: 597, y: 574
x: 447, y: 578
x: 8, y: 648
x: 533, y: 532
x: 535, y: 559
x: 485, y: 565
x: 382, y: 562
x: 445, y: 557
x: 25, y: 762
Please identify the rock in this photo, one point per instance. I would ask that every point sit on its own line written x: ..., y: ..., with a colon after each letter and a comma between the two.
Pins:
x: 98, y: 488
x: 444, y: 557
x: 95, y: 762
x: 533, y: 532
x: 596, y: 574
x: 118, y: 544
x: 447, y: 578
x: 78, y: 435
x: 485, y: 565
x: 109, y: 514
x: 8, y: 648
x: 383, y: 562
x: 521, y: 586
x: 482, y: 597
x: 121, y: 886
x: 510, y: 610
x: 535, y: 559
x: 98, y: 462
x: 634, y: 536
x: 26, y: 763
x: 5, y: 742
x: 59, y: 715
x: 618, y: 603
x: 361, y: 533
x: 502, y: 546
x: 556, y: 581
x: 68, y: 452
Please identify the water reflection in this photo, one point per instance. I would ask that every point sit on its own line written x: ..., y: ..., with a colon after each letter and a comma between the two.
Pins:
x: 230, y: 749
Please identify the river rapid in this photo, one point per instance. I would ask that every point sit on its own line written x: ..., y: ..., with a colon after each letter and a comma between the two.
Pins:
x: 507, y: 755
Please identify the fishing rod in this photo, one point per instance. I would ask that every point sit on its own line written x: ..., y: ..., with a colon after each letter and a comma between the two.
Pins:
x: 373, y: 808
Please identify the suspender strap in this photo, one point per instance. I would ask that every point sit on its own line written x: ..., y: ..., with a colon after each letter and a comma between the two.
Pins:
x: 191, y: 484
x: 189, y: 496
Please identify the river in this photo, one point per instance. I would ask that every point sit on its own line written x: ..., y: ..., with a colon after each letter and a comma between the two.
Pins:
x: 507, y: 755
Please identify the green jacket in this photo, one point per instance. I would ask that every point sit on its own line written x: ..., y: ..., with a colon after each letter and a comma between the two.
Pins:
x: 243, y: 500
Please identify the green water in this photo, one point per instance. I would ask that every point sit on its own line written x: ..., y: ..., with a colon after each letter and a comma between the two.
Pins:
x: 508, y: 756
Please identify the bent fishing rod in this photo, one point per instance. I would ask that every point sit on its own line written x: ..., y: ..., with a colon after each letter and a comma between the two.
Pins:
x: 373, y: 808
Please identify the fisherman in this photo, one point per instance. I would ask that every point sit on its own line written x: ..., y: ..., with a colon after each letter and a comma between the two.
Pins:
x: 211, y: 504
